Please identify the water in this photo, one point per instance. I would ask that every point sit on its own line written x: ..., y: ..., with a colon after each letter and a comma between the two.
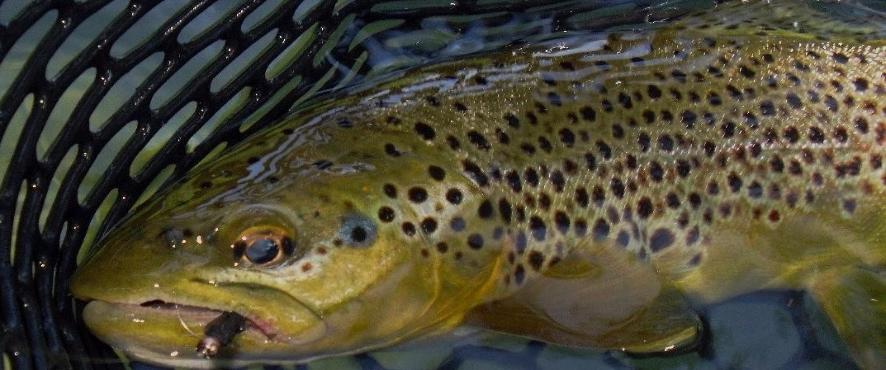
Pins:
x: 769, y: 329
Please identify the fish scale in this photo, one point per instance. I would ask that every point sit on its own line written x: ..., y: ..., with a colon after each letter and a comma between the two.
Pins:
x: 581, y: 192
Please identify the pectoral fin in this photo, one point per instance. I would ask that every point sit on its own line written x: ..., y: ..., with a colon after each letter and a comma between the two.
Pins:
x: 596, y: 299
x: 855, y: 300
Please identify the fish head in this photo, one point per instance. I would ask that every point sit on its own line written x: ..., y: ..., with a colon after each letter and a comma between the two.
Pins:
x: 312, y: 260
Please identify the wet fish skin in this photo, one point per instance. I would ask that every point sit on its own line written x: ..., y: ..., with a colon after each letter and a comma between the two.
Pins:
x: 727, y: 163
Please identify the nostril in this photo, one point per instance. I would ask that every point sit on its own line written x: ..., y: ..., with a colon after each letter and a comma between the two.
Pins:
x: 173, y: 236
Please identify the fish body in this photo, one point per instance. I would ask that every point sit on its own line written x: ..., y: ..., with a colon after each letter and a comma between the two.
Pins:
x: 544, y: 192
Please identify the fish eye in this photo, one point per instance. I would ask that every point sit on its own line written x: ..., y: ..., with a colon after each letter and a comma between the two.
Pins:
x: 357, y: 231
x: 263, y: 246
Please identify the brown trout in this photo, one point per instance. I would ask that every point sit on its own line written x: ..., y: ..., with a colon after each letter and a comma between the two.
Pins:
x: 585, y: 193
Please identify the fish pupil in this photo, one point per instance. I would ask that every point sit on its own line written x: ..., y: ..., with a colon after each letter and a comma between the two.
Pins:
x: 358, y: 234
x: 262, y: 251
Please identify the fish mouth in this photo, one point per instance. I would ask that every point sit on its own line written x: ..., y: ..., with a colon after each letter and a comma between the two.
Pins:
x: 201, y: 314
x: 190, y: 318
x: 193, y: 318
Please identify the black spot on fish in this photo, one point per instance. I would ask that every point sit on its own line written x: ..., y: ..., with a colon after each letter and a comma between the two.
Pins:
x: 476, y: 173
x: 544, y: 201
x: 567, y: 137
x: 429, y: 225
x: 794, y: 101
x: 653, y: 91
x: 386, y: 214
x: 390, y: 190
x: 512, y: 120
x: 694, y: 200
x: 617, y: 187
x: 536, y: 259
x: 728, y: 129
x: 861, y: 84
x: 605, y: 150
x: 457, y: 224
x: 617, y: 131
x: 648, y: 116
x: 645, y: 207
x: 545, y: 144
x: 408, y: 228
x: 418, y: 194
x: 436, y: 173
x: 537, y: 228
x: 600, y: 230
x: 454, y: 196
x: 424, y: 131
x: 750, y: 119
x: 527, y: 148
x: 475, y: 241
x: 505, y: 210
x: 767, y: 108
x: 558, y: 180
x: 513, y: 181
x: 531, y: 177
x: 734, y: 182
x: 590, y: 161
x: 561, y: 222
x: 683, y: 167
x: 501, y: 136
x: 672, y: 200
x: 598, y: 196
x: 816, y: 135
x: 861, y: 125
x: 656, y: 172
x: 570, y: 167
x: 478, y: 140
x: 519, y: 274
x: 776, y: 164
x: 453, y: 143
x: 644, y: 141
x: 625, y: 100
x: 485, y: 209
x: 831, y: 103
x: 581, y: 197
x: 746, y: 72
x: 661, y: 238
x: 588, y: 114
x: 391, y: 150
x: 840, y: 58
x: 666, y: 142
x: 755, y: 190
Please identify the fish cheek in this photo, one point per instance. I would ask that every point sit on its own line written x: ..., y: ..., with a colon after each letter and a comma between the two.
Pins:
x: 371, y: 296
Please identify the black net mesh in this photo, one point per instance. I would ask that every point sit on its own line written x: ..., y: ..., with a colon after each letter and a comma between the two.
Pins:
x: 102, y: 102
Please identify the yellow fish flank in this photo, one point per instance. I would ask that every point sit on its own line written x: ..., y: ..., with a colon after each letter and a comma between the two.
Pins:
x: 587, y: 196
